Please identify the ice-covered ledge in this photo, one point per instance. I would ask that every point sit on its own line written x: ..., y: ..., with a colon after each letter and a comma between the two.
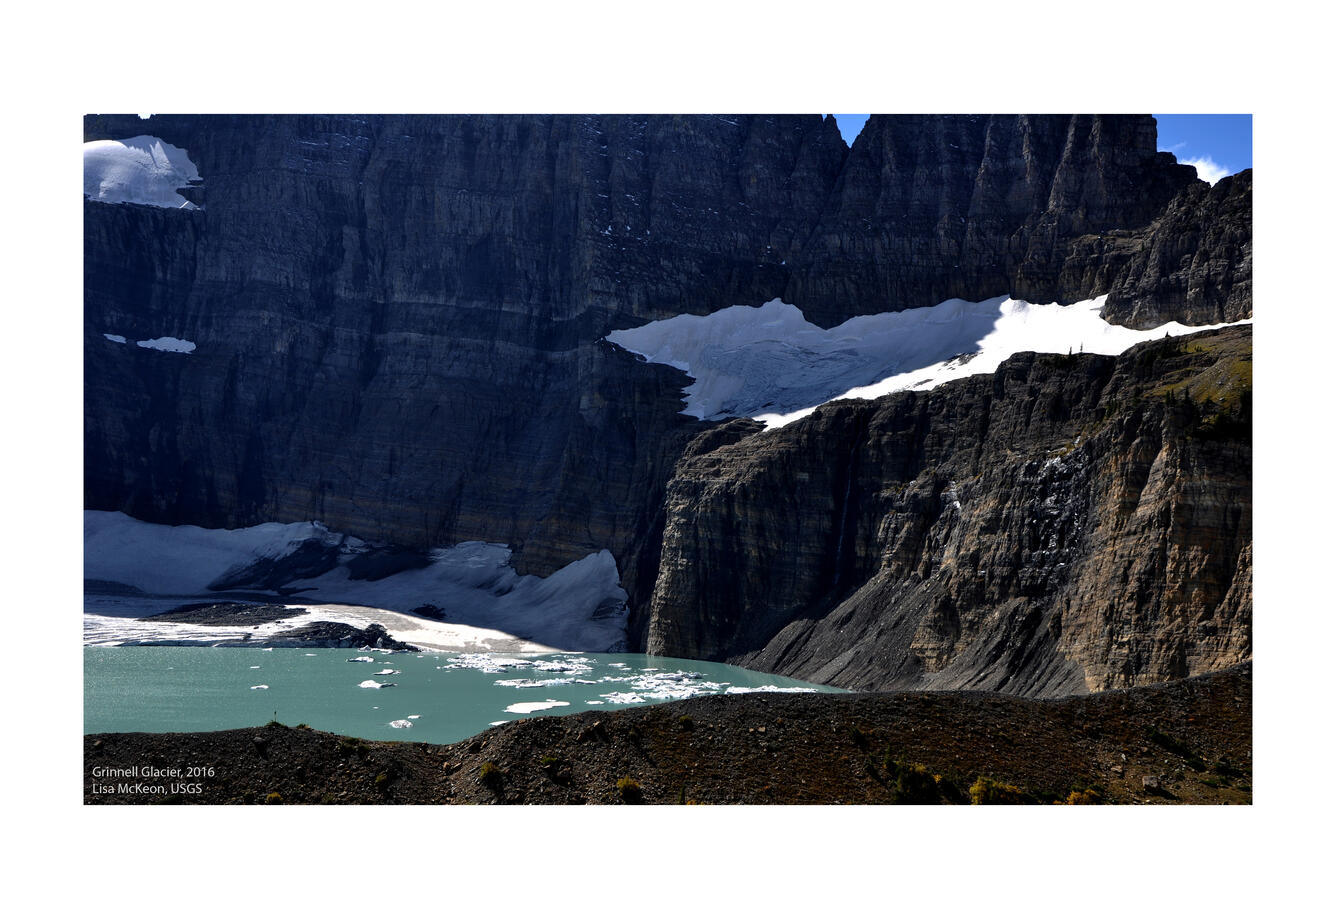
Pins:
x: 771, y: 364
x: 138, y: 170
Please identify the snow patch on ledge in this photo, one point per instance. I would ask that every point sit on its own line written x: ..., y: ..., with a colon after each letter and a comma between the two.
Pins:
x: 174, y: 345
x: 771, y: 364
x: 579, y: 607
x: 138, y: 170
x: 118, y: 339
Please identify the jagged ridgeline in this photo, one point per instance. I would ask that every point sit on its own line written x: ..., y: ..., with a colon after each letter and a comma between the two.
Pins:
x: 396, y: 325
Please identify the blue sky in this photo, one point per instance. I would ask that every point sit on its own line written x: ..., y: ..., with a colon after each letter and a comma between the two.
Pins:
x: 1218, y: 145
x: 850, y: 125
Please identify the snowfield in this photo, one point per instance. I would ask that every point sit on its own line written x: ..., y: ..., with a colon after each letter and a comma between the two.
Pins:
x: 482, y: 599
x: 173, y: 345
x: 138, y: 170
x: 771, y: 364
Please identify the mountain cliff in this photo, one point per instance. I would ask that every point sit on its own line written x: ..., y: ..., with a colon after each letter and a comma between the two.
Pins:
x: 394, y: 324
x: 1068, y: 524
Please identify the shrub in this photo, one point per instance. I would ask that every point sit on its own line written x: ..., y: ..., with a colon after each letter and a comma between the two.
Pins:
x: 910, y: 783
x: 349, y: 745
x: 382, y: 782
x: 273, y: 798
x: 989, y: 791
x: 1085, y: 796
x: 686, y: 723
x: 628, y: 789
x: 490, y: 775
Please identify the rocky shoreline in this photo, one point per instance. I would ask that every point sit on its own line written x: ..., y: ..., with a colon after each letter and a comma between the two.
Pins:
x: 1188, y: 742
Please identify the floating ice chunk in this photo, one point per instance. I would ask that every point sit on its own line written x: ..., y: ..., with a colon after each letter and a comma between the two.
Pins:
x: 174, y: 345
x: 372, y: 684
x: 261, y: 686
x: 735, y: 690
x: 485, y: 663
x: 414, y: 716
x: 361, y: 660
x: 137, y: 170
x: 119, y: 339
x: 387, y: 672
x: 623, y: 698
x: 524, y: 708
x: 563, y: 665
x: 534, y: 684
x: 502, y: 721
x: 401, y: 723
x: 255, y: 666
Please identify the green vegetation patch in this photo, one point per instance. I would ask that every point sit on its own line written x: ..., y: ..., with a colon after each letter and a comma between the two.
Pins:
x: 489, y: 773
x: 987, y: 790
x: 628, y: 789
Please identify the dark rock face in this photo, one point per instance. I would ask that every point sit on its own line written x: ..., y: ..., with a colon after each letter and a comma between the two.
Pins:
x: 930, y: 207
x: 397, y: 319
x: 1193, y: 264
x: 339, y: 635
x: 1068, y: 524
x: 227, y: 613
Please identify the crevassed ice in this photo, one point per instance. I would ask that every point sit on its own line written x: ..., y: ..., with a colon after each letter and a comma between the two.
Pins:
x: 771, y: 364
x: 137, y: 170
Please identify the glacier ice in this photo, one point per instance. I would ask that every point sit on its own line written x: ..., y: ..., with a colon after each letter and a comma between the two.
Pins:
x: 771, y: 364
x: 137, y: 170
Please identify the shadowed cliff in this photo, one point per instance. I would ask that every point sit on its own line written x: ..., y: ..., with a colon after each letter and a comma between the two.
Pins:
x: 398, y: 318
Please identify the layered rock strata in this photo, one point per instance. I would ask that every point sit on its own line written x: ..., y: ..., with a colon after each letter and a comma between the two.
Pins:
x: 1068, y: 524
x: 396, y: 318
x: 396, y: 324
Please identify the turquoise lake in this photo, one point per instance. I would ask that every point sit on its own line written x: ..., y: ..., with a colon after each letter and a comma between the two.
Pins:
x: 437, y: 697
